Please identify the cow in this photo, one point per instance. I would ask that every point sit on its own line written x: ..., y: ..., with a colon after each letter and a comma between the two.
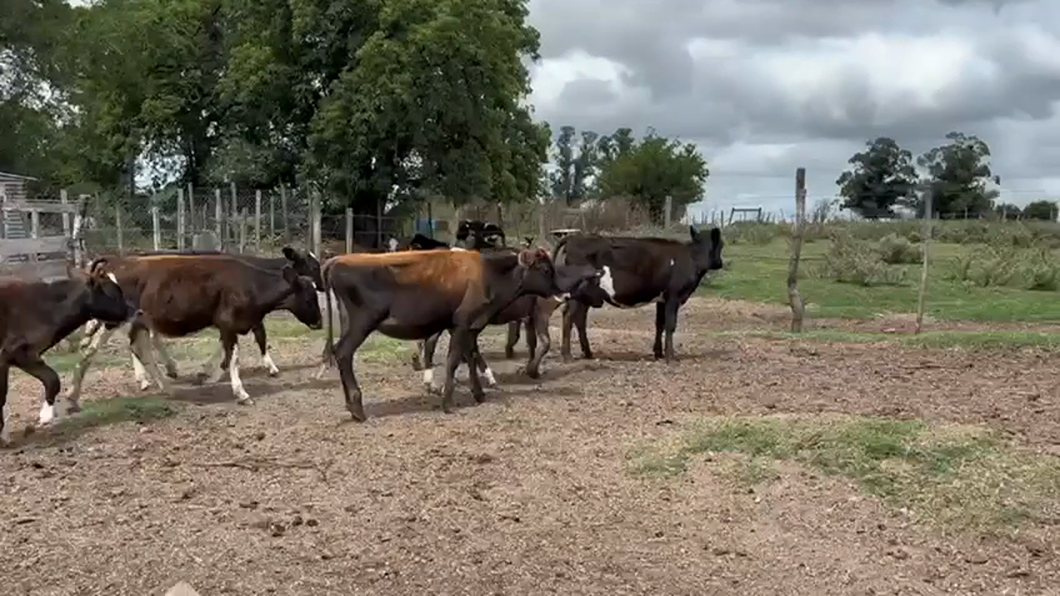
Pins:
x: 421, y: 242
x: 637, y: 271
x: 306, y: 265
x: 178, y: 295
x: 412, y: 295
x: 477, y: 234
x: 36, y: 315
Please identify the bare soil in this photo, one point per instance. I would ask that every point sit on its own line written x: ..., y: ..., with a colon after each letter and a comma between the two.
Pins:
x: 528, y: 493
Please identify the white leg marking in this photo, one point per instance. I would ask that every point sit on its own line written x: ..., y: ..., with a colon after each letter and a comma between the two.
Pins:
x: 99, y: 337
x: 490, y: 379
x: 233, y: 373
x: 111, y: 277
x: 141, y: 373
x: 5, y: 433
x: 160, y: 348
x: 428, y: 377
x: 607, y: 282
x: 143, y: 350
x: 269, y: 364
x: 47, y: 414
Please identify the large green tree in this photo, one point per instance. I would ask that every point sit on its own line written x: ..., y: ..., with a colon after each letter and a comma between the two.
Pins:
x: 649, y: 170
x: 879, y: 178
x: 1043, y: 210
x: 957, y: 176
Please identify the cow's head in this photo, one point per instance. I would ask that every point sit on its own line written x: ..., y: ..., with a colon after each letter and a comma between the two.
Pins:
x: 571, y: 278
x: 106, y: 301
x: 306, y: 264
x: 476, y: 234
x: 304, y: 304
x: 541, y: 278
x: 706, y: 249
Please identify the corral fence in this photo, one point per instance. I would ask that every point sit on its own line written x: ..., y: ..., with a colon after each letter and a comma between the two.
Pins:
x: 261, y: 221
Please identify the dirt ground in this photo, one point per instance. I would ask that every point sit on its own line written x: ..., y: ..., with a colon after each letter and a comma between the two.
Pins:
x: 527, y: 493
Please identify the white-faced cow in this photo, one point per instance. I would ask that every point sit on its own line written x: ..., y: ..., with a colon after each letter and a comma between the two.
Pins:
x: 34, y: 316
x: 637, y: 271
x: 304, y: 264
x: 178, y: 295
x: 413, y: 295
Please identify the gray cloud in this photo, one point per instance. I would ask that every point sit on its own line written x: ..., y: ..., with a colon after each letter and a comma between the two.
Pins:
x: 771, y: 84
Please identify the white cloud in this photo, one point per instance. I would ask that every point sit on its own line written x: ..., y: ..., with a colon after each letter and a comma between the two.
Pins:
x: 765, y: 86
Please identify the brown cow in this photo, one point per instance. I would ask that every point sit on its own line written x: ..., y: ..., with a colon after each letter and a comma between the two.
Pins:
x: 183, y: 294
x: 414, y: 295
x: 34, y: 316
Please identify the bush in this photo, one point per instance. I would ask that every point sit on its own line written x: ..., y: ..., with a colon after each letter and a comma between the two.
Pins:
x: 991, y: 266
x: 898, y: 250
x: 850, y: 260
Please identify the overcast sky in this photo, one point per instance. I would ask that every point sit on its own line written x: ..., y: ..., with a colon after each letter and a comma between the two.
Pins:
x: 764, y: 86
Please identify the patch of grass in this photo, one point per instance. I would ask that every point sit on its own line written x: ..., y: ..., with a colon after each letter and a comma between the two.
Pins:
x: 958, y: 477
x: 758, y: 273
x: 104, y: 412
x: 970, y: 340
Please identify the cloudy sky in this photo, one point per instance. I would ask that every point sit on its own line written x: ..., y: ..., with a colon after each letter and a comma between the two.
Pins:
x: 765, y: 86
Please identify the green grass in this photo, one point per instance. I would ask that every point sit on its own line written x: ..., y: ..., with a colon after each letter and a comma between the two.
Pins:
x: 758, y: 273
x: 971, y: 340
x: 104, y: 412
x: 957, y: 477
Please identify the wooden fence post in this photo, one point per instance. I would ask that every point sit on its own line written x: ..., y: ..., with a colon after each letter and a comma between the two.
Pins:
x: 668, y: 208
x: 257, y: 220
x: 117, y: 224
x: 242, y: 230
x: 272, y: 215
x: 65, y: 200
x: 233, y: 216
x: 315, y: 216
x: 218, y: 212
x: 798, y: 305
x: 156, y: 227
x: 922, y: 294
x: 181, y: 223
x: 285, y: 213
x: 349, y: 230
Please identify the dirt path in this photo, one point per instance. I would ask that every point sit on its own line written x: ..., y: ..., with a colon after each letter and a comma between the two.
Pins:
x: 526, y: 494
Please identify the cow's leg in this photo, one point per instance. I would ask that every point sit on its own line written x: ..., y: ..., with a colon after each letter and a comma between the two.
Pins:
x: 660, y: 325
x: 140, y: 342
x: 536, y: 329
x: 457, y: 353
x: 671, y: 327
x: 167, y: 360
x: 479, y: 363
x: 356, y: 329
x: 230, y: 345
x: 473, y: 357
x: 417, y: 356
x: 429, y: 346
x: 99, y: 337
x: 580, y: 314
x: 568, y: 323
x: 263, y: 346
x: 91, y: 328
x: 513, y: 338
x: 32, y: 365
x: 5, y: 439
x: 217, y: 364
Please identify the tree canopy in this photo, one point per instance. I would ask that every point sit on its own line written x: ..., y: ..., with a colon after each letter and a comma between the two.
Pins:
x: 879, y: 179
x: 958, y: 172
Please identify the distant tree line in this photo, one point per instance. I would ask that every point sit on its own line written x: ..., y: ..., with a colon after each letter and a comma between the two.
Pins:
x: 883, y: 178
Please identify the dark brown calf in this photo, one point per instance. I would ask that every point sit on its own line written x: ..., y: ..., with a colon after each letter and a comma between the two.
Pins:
x: 178, y: 295
x: 34, y: 316
x: 414, y: 295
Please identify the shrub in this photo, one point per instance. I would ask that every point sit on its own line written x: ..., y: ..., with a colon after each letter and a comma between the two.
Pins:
x: 1007, y: 266
x: 850, y: 260
x: 898, y: 250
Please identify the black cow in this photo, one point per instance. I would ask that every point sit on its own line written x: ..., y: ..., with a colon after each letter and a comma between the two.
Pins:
x: 36, y: 315
x: 636, y: 272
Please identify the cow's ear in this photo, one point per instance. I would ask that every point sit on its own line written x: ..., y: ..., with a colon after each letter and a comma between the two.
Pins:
x: 715, y: 235
x: 290, y: 275
x: 693, y: 232
x: 289, y: 253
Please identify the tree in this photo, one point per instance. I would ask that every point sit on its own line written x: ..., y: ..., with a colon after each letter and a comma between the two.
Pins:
x: 649, y: 170
x: 958, y: 172
x: 562, y: 178
x: 1008, y: 211
x: 880, y: 178
x: 1043, y: 210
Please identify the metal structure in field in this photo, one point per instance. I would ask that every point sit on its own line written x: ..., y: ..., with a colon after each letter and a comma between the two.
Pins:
x: 29, y: 248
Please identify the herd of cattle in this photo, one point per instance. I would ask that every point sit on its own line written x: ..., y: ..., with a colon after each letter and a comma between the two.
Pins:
x: 416, y: 290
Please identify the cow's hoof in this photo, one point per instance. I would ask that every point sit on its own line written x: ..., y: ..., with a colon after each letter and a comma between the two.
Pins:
x: 533, y: 373
x: 244, y: 401
x: 172, y: 374
x: 275, y: 372
x: 478, y: 397
x: 509, y: 354
x: 567, y: 358
x: 73, y: 406
x: 145, y: 385
x: 357, y: 414
x: 434, y: 389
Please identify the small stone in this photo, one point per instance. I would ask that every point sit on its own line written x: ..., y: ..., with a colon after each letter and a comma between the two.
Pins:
x: 260, y: 435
